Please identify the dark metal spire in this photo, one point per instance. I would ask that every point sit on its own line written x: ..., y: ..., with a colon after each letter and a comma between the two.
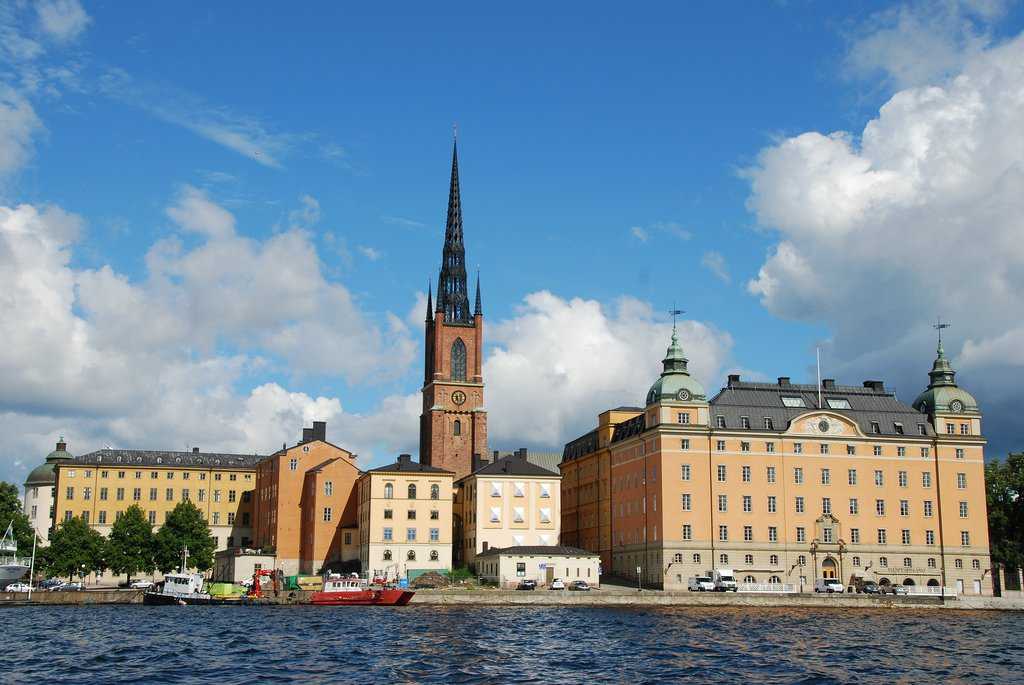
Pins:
x: 430, y: 301
x: 479, y: 311
x: 452, y: 298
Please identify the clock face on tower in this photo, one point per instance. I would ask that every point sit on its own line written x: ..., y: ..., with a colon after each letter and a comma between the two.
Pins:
x: 956, y: 406
x: 459, y: 397
x: 683, y: 395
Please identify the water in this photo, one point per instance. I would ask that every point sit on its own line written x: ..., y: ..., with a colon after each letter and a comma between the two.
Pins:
x: 254, y: 645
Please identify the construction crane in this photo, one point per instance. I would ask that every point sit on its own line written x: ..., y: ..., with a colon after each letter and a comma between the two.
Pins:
x: 256, y: 591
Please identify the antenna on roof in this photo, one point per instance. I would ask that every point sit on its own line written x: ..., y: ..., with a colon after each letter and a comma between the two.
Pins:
x: 817, y: 353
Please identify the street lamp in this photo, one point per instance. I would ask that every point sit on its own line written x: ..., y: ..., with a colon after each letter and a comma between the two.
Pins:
x: 639, y: 586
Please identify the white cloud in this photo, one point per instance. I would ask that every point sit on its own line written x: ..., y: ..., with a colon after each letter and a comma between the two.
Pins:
x: 669, y: 228
x: 715, y: 263
x: 402, y: 221
x: 639, y: 233
x: 18, y: 125
x: 919, y: 215
x: 370, y: 253
x: 195, y: 212
x: 62, y: 20
x: 558, y: 362
x: 917, y: 43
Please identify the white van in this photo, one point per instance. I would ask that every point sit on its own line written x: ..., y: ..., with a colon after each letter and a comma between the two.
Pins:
x: 828, y: 585
x: 724, y: 580
x: 701, y: 584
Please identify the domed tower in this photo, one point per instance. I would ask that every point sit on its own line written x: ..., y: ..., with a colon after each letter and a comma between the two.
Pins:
x: 676, y: 388
x: 39, y: 490
x: 947, y: 403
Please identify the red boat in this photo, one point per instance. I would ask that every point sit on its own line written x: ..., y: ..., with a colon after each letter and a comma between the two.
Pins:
x: 355, y: 591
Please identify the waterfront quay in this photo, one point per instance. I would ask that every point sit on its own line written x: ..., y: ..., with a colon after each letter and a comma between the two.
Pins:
x: 609, y: 597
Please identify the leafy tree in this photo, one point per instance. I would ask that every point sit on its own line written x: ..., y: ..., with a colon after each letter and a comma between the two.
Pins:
x: 1004, y: 481
x: 185, y: 527
x: 131, y: 543
x: 74, y: 548
x: 11, y: 511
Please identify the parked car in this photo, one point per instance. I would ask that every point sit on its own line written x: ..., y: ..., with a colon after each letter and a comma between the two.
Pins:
x: 141, y: 584
x: 19, y: 587
x: 50, y: 583
x: 579, y: 586
x: 557, y: 584
x: 867, y: 587
x: 73, y: 586
x: 829, y: 585
x: 893, y: 589
x: 527, y: 585
x: 700, y: 584
x: 724, y: 580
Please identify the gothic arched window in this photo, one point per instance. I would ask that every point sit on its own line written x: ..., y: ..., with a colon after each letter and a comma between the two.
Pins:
x: 412, y: 491
x: 457, y: 427
x: 458, y: 360
x: 389, y: 490
x: 435, y: 492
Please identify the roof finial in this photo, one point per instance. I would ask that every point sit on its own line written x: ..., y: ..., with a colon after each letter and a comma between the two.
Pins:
x: 674, y: 313
x: 938, y: 326
x: 455, y: 130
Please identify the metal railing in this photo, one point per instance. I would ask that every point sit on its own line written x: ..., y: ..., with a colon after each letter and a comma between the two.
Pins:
x: 930, y: 590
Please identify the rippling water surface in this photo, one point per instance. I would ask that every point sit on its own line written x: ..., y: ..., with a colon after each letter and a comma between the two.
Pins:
x: 116, y: 644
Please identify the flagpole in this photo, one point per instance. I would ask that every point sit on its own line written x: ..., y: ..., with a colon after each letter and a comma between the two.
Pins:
x: 32, y: 564
x: 817, y: 351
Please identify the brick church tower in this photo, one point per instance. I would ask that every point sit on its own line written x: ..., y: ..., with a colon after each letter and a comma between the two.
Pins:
x: 453, y: 426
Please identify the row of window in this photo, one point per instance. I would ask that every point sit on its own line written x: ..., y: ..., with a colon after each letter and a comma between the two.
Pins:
x: 119, y: 494
x: 686, y: 501
x: 767, y: 422
x: 823, y: 448
x: 410, y: 534
x: 389, y: 491
x: 773, y: 560
x: 825, y: 474
x: 410, y: 555
x: 101, y: 517
x: 185, y: 475
x: 519, y: 514
x: 826, y: 535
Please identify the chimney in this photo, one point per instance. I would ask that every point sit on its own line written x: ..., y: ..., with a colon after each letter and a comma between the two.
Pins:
x: 404, y: 458
x: 479, y: 462
x: 307, y: 434
x: 784, y: 381
x: 521, y: 454
x: 195, y: 450
x: 828, y: 383
x: 877, y: 386
x: 734, y: 379
x: 320, y: 430
x: 494, y: 455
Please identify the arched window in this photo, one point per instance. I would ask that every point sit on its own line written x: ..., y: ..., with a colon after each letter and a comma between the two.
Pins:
x: 908, y: 582
x: 749, y: 579
x: 723, y: 559
x: 696, y: 558
x: 801, y: 560
x: 458, y: 360
x: 387, y: 555
x: 412, y: 490
x: 678, y: 558
x: 389, y: 491
x: 774, y: 560
x: 932, y: 582
x: 435, y: 492
x: 457, y: 427
x: 775, y: 580
x: 411, y: 556
x: 433, y: 555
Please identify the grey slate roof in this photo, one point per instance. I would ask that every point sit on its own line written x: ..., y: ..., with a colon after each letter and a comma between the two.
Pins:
x: 405, y: 464
x: 627, y: 429
x: 539, y: 550
x: 513, y: 465
x: 868, y: 404
x: 167, y: 459
x: 581, y: 446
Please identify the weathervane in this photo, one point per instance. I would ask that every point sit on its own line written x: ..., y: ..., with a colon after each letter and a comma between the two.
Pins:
x: 674, y: 313
x: 939, y: 325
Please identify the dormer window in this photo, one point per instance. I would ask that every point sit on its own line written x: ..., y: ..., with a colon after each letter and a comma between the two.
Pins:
x: 745, y: 422
x: 898, y: 427
x: 875, y: 428
x: 768, y: 423
x: 838, y: 403
x: 794, y: 402
x: 720, y: 421
x: 921, y: 429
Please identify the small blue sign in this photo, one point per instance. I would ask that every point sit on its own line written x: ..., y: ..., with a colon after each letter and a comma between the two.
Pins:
x: 403, y: 583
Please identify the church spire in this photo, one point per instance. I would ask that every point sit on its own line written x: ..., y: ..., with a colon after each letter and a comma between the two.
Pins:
x: 452, y: 298
x: 479, y: 309
x: 430, y: 301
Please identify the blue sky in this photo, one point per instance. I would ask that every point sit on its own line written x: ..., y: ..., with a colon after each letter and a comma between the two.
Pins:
x: 605, y: 153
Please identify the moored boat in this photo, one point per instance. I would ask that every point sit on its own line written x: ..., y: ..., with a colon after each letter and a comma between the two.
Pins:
x: 355, y: 591
x: 183, y: 588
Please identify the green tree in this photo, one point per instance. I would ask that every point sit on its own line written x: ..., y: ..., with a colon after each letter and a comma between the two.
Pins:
x: 11, y: 512
x: 185, y: 527
x: 74, y: 548
x: 1004, y: 481
x: 131, y: 544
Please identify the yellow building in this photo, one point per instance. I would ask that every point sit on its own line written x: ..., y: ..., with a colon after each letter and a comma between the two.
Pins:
x: 784, y: 484
x: 510, y: 502
x: 405, y: 519
x: 100, y: 486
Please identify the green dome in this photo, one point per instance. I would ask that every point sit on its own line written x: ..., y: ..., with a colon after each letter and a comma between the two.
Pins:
x: 44, y: 473
x: 675, y: 382
x: 943, y: 394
